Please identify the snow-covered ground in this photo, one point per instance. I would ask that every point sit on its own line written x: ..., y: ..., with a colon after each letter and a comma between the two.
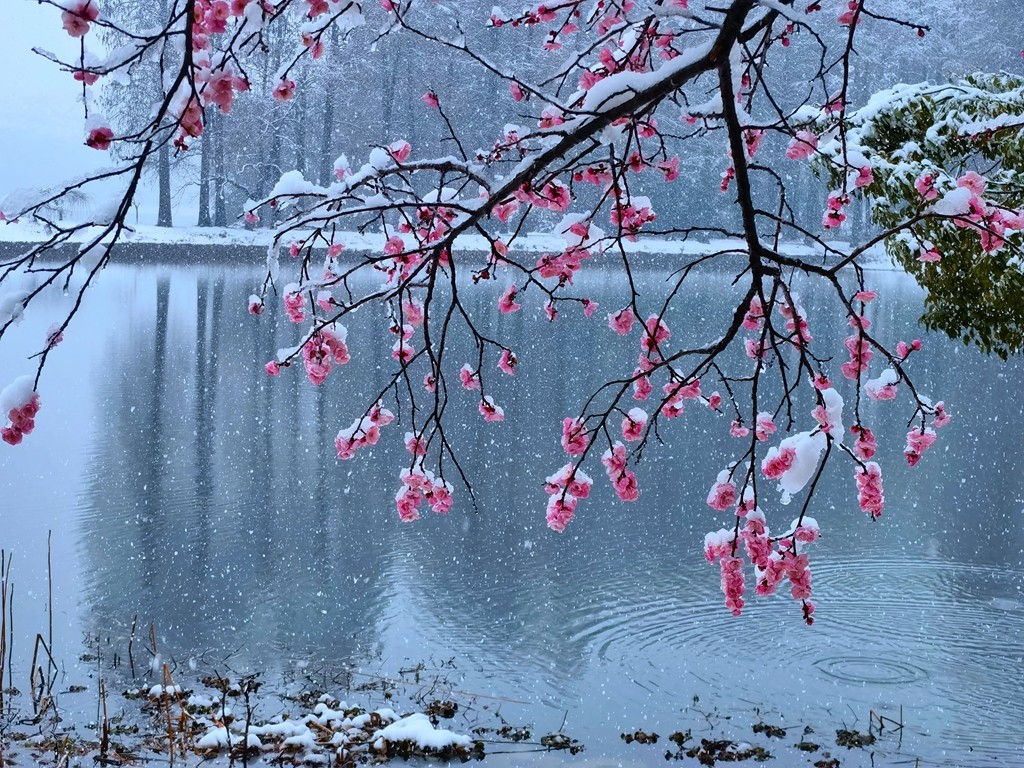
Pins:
x: 534, y: 242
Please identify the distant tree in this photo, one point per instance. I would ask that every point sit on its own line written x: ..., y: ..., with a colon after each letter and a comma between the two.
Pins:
x: 706, y: 106
x: 122, y: 98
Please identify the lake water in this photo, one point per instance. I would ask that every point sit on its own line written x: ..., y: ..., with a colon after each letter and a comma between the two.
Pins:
x: 184, y: 487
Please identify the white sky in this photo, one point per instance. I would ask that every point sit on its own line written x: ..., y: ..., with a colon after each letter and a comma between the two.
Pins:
x: 41, y: 133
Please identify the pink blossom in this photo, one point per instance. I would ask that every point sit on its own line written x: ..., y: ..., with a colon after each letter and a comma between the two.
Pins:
x: 756, y: 349
x: 295, y: 305
x: 670, y: 168
x: 574, y: 481
x: 490, y: 411
x: 54, y: 335
x: 904, y: 350
x: 865, y: 296
x: 973, y: 181
x: 394, y: 245
x: 633, y: 424
x: 574, y: 437
x: 415, y: 444
x: 85, y: 76
x: 518, y: 94
x: 850, y: 17
x: 865, y: 444
x: 408, y: 503
x: 100, y: 137
x: 589, y: 307
x: 272, y: 368
x: 774, y: 570
x: 549, y: 117
x: 400, y: 151
x: 799, y: 574
x: 561, y: 509
x: 942, y: 417
x: 504, y: 211
x: 733, y: 583
x: 869, y: 489
x: 430, y: 99
x: 719, y: 544
x: 631, y: 217
x: 22, y: 420
x: 860, y: 352
x: 736, y: 429
x: 834, y: 214
x: 880, y: 391
x: 626, y: 487
x: 929, y: 254
x: 77, y: 16
x: 865, y: 177
x: 251, y: 217
x: 752, y: 138
x: 508, y: 362
x: 284, y: 90
x: 469, y: 378
x: 507, y: 302
x: 918, y: 441
x: 440, y: 497
x: 614, y: 459
x: 765, y: 426
x: 752, y: 319
x: 656, y: 332
x: 808, y: 610
x: 727, y: 176
x: 722, y: 495
x: 755, y: 537
x: 778, y: 461
x: 402, y: 351
x: 714, y: 400
x: 622, y: 321
x: 642, y: 387
x: 821, y: 415
x: 802, y: 145
x: 925, y: 186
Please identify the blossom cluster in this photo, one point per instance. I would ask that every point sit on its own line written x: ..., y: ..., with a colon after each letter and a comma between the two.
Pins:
x: 21, y: 421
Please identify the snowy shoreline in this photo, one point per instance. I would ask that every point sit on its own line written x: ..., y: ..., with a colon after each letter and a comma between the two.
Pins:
x: 242, y: 246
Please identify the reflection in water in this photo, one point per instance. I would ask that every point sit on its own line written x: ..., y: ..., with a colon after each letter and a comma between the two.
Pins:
x: 214, y: 507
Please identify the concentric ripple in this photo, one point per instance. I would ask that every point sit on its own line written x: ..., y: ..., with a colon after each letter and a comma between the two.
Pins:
x: 870, y: 671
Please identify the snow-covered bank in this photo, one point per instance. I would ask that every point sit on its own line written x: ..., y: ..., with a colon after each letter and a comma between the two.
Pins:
x: 241, y: 240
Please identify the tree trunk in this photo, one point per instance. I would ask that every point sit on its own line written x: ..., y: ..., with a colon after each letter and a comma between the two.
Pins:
x: 327, y: 140
x: 204, y: 177
x: 299, y: 120
x: 220, y: 215
x: 163, y: 159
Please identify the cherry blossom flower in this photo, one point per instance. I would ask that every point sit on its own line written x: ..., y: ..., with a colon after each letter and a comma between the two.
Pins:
x: 490, y: 411
x: 469, y: 378
x: 284, y: 90
x: 633, y: 424
x: 77, y: 16
x: 723, y: 493
x: 918, y: 441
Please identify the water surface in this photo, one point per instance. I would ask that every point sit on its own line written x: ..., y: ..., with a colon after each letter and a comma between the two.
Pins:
x: 187, y: 489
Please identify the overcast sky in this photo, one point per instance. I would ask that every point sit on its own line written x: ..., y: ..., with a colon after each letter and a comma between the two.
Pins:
x: 41, y: 135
